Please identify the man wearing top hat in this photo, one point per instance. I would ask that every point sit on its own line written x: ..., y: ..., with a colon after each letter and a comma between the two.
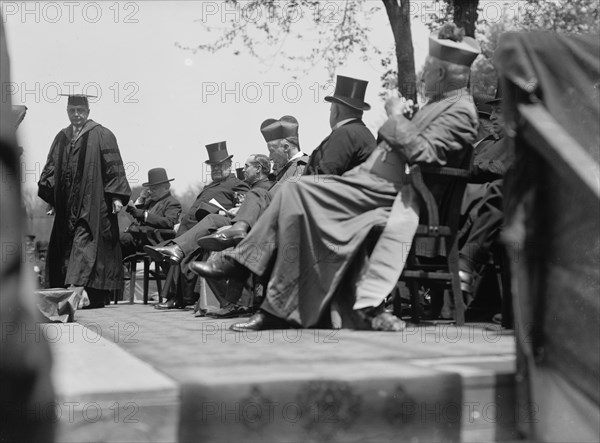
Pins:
x: 85, y: 185
x: 225, y: 189
x: 184, y: 249
x: 289, y: 163
x: 309, y: 235
x: 155, y: 208
x: 350, y: 142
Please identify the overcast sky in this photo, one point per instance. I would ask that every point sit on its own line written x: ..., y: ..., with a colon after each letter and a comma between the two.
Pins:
x: 165, y: 104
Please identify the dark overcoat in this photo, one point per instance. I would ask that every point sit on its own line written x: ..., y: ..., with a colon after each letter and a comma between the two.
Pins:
x: 223, y: 191
x: 345, y: 148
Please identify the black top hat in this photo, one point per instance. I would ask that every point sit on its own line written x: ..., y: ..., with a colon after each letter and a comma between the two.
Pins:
x: 77, y: 99
x: 498, y: 98
x: 217, y: 153
x: 350, y: 92
x: 157, y: 176
x: 484, y: 109
x: 286, y: 128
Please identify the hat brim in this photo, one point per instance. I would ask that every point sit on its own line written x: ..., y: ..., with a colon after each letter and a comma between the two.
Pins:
x: 157, y: 183
x: 354, y: 104
x: 208, y: 162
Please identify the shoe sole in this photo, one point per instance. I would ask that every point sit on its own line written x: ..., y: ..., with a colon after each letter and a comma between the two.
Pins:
x: 212, y: 244
x: 228, y: 315
x: 160, y: 257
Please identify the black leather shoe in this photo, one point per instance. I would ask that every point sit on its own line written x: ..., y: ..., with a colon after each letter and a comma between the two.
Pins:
x: 220, y: 269
x: 229, y: 311
x: 222, y: 240
x: 259, y: 322
x: 169, y: 304
x: 173, y: 253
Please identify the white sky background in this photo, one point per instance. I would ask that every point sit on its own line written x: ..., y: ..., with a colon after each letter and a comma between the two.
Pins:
x: 152, y: 92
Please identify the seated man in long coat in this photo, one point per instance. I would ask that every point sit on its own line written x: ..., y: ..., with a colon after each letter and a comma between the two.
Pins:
x: 155, y: 208
x: 84, y: 182
x: 311, y: 231
x: 483, y: 203
x: 226, y: 190
x: 350, y: 142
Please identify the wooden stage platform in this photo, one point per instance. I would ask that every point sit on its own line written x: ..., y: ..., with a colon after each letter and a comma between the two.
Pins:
x: 132, y: 373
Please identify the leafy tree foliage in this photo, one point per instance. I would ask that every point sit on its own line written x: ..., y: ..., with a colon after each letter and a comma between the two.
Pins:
x: 562, y: 16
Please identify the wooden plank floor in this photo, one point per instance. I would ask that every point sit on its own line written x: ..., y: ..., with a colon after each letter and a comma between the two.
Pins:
x: 440, y: 383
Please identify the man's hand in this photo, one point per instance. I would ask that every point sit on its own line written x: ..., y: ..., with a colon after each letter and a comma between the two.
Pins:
x: 117, y: 205
x: 138, y: 214
x: 395, y: 106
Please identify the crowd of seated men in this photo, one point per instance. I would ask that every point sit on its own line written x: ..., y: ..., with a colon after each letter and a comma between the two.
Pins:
x: 279, y: 243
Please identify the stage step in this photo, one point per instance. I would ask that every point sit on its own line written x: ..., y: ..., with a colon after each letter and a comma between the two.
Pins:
x: 104, y: 394
x: 430, y: 383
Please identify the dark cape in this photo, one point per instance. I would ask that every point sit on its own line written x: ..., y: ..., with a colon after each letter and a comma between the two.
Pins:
x: 80, y: 180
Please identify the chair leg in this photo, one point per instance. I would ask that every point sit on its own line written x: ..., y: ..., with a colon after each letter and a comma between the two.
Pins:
x: 459, y: 304
x: 156, y: 274
x: 132, y: 271
x: 413, y: 287
x: 146, y: 278
x: 507, y: 309
x: 168, y: 282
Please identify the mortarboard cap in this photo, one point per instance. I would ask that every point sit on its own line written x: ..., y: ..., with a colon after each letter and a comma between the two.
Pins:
x: 449, y: 44
x: 286, y: 128
x: 78, y: 99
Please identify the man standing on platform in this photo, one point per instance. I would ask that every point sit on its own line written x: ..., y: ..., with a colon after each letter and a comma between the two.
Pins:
x: 85, y: 185
x: 308, y: 236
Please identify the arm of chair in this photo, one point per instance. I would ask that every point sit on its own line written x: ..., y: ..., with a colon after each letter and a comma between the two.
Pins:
x: 416, y: 175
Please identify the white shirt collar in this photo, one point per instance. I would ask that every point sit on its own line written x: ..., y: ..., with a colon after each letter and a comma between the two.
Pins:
x: 298, y: 155
x: 342, y: 123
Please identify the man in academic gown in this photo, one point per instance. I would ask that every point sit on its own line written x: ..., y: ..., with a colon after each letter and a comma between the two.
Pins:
x: 311, y: 231
x: 85, y: 185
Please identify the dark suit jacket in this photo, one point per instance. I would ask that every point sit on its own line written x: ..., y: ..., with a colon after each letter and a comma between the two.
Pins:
x: 346, y: 147
x: 164, y: 213
x: 491, y: 160
x: 223, y: 192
